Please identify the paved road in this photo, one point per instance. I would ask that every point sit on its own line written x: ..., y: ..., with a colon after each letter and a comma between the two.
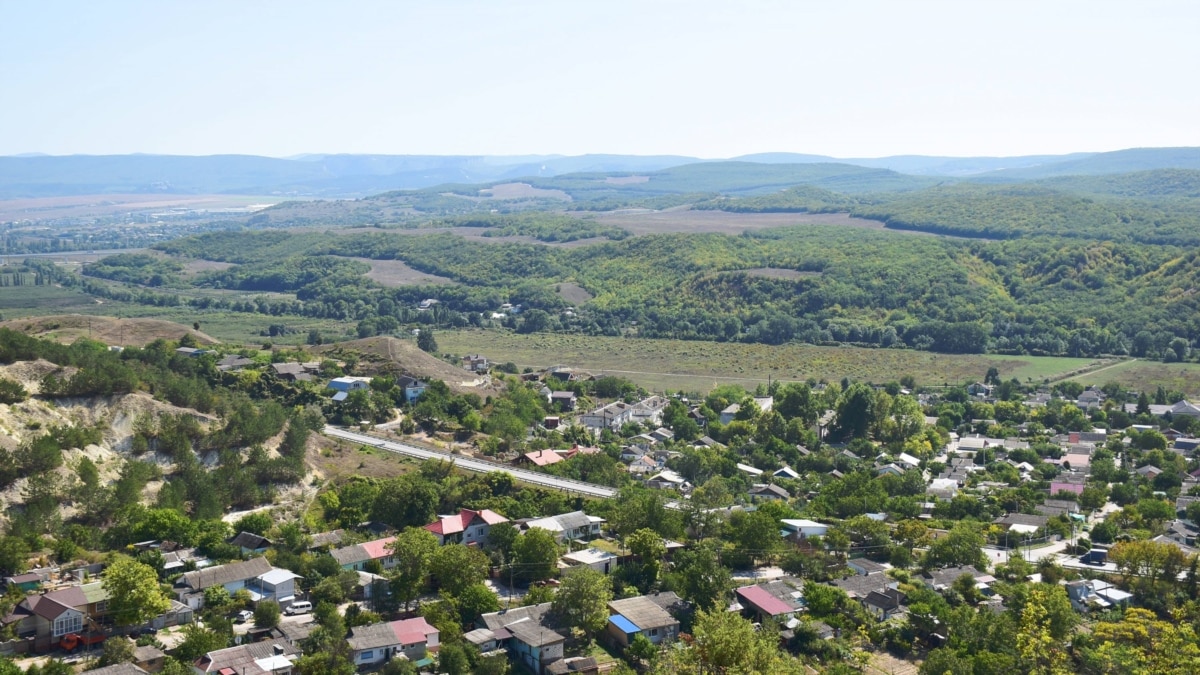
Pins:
x: 479, y: 466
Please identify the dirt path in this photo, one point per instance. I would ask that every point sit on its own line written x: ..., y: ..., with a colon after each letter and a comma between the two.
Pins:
x: 1090, y: 371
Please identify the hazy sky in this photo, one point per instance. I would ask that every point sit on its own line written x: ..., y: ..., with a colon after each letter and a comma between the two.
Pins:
x: 710, y: 79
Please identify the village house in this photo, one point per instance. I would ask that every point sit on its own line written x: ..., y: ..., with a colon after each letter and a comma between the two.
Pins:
x: 563, y: 400
x: 120, y: 669
x: 233, y: 362
x: 349, y: 384
x: 768, y: 492
x: 466, y: 527
x: 940, y: 580
x: 529, y: 633
x: 356, y: 556
x: 775, y: 600
x: 250, y: 543
x: 256, y: 576
x: 885, y: 604
x: 475, y: 363
x: 271, y: 657
x: 667, y: 480
x: 594, y: 558
x: 859, y: 586
x: 764, y: 403
x: 412, y: 387
x: 568, y: 526
x: 540, y: 458
x: 410, y: 639
x: 1096, y: 594
x: 799, y: 528
x: 648, y: 615
x: 47, y: 618
x: 291, y: 372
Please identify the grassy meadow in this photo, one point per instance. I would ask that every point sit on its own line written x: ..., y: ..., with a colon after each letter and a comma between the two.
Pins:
x: 1148, y: 375
x: 698, y: 366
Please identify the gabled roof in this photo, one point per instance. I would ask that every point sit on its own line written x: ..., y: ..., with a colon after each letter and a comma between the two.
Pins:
x: 497, y: 621
x: 643, y: 612
x: 348, y: 555
x: 886, y: 599
x: 759, y: 598
x: 243, y: 659
x: 50, y: 608
x: 463, y: 520
x: 860, y: 586
x: 534, y: 634
x: 563, y: 521
x: 378, y: 548
x: 327, y: 538
x: 220, y: 575
x: 543, y: 457
x: 250, y: 540
x: 944, y: 578
x: 118, y: 669
x: 770, y: 489
x: 786, y: 472
x: 404, y: 632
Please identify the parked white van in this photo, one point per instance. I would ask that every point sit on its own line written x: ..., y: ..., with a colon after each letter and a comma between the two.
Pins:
x: 302, y: 607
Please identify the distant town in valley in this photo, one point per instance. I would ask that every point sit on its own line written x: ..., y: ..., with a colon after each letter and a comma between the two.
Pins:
x: 600, y: 414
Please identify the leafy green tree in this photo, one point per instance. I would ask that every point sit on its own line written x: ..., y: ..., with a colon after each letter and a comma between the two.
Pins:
x: 117, y: 650
x: 134, y: 593
x: 453, y: 659
x: 535, y: 555
x: 414, y: 549
x: 856, y: 410
x: 502, y: 537
x: 255, y: 523
x: 198, y: 641
x: 266, y: 614
x: 963, y: 545
x: 14, y: 554
x: 699, y: 577
x: 425, y: 340
x: 582, y: 600
x: 755, y: 534
x: 1038, y: 650
x: 456, y: 567
x: 407, y: 501
x: 12, y: 391
x: 649, y: 548
x: 1093, y: 497
x: 474, y: 601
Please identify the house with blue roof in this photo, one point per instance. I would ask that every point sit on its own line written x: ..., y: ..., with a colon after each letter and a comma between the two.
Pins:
x: 647, y: 615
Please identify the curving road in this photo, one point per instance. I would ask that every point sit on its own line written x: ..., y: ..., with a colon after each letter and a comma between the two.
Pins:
x: 476, y: 465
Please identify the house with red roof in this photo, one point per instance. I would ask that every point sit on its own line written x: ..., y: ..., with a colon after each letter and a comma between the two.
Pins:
x: 48, y: 618
x: 466, y: 527
x: 540, y: 458
x: 356, y: 556
x: 379, y: 642
x: 775, y: 600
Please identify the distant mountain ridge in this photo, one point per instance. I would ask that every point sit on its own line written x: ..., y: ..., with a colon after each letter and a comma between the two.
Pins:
x: 345, y: 175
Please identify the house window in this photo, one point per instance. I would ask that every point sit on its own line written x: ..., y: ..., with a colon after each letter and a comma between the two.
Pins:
x: 653, y: 632
x: 102, y: 606
x: 366, y: 656
x: 70, y: 623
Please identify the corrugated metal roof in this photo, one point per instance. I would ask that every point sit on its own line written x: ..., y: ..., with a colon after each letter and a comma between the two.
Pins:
x: 628, y: 627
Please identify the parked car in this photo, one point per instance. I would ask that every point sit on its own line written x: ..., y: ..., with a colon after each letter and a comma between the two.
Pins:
x: 302, y: 607
x: 244, y: 616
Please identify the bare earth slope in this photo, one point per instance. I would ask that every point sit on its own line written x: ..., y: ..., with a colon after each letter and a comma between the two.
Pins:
x: 67, y: 328
x: 384, y: 354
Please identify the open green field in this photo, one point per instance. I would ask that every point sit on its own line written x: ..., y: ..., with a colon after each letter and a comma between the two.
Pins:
x: 699, y: 366
x: 1148, y: 375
